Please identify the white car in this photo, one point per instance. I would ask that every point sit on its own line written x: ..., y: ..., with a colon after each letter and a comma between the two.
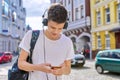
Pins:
x: 78, y: 60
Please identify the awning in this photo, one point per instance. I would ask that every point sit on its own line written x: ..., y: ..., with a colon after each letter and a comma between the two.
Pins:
x: 117, y: 29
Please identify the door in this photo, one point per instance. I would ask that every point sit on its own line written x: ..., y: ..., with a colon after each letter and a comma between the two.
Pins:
x: 117, y: 37
x: 115, y: 61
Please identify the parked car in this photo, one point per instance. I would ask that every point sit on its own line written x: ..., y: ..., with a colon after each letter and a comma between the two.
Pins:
x: 78, y: 60
x: 5, y: 57
x: 108, y: 60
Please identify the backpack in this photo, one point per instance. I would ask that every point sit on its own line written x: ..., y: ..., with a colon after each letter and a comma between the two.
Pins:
x: 15, y: 73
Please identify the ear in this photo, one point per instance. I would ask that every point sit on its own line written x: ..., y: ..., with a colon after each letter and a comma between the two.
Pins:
x: 45, y: 22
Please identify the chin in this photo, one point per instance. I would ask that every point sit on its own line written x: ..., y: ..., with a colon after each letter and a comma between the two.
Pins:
x: 54, y: 36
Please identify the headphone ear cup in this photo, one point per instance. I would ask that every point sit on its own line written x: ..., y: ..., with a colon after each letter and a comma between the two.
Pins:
x: 66, y: 25
x: 45, y: 22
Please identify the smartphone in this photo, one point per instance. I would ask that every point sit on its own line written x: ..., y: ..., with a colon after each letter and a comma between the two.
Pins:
x: 55, y: 67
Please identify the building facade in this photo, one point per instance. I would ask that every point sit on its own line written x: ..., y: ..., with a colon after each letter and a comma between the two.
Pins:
x: 105, y: 16
x: 79, y: 22
x: 12, y: 24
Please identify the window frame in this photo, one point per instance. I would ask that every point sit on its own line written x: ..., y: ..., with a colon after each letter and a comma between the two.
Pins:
x: 77, y: 13
x: 107, y: 41
x: 82, y: 11
x: 107, y: 15
x: 99, y: 42
x: 118, y: 12
x: 98, y: 18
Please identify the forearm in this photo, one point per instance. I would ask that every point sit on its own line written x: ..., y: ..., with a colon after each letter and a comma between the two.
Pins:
x: 23, y: 65
x: 67, y: 67
x: 44, y: 67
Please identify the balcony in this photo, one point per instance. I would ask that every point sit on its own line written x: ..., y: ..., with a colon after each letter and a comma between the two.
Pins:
x: 79, y: 23
x: 102, y: 3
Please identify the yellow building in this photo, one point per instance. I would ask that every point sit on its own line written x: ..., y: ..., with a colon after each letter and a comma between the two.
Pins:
x: 105, y: 24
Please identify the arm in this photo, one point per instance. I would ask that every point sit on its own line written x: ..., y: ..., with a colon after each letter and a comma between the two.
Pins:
x: 67, y: 67
x: 24, y: 65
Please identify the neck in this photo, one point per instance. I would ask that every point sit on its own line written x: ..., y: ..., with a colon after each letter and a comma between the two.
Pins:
x: 49, y: 36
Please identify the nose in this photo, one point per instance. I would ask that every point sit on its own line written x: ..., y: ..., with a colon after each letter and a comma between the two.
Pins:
x: 56, y: 31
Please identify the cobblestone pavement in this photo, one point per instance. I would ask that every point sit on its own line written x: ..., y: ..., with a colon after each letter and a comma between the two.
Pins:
x: 87, y: 72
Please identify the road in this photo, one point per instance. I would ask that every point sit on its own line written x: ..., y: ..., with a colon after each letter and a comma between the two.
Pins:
x: 87, y: 72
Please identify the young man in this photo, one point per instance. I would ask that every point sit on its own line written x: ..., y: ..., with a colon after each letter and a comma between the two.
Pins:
x: 55, y: 60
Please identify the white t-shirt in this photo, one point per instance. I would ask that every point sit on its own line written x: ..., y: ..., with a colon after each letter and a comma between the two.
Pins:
x: 56, y: 51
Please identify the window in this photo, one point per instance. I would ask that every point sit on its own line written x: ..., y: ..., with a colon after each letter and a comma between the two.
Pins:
x: 69, y: 16
x: 14, y: 16
x: 19, y: 2
x: 76, y: 14
x: 68, y: 1
x: 23, y: 29
x: 5, y: 8
x: 82, y: 12
x: 7, y: 1
x: 116, y: 55
x: 107, y: 15
x: 105, y: 54
x: 98, y: 18
x: 118, y: 12
x: 65, y: 2
x: 107, y: 42
x: 4, y: 26
x: 99, y: 42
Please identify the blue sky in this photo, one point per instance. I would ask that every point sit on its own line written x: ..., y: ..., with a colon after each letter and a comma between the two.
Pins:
x: 35, y: 9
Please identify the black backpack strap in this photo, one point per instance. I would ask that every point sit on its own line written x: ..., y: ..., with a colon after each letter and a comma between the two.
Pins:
x: 35, y: 35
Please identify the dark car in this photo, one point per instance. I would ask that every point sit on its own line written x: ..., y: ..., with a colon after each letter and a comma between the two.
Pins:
x: 108, y: 60
x: 5, y: 57
x: 78, y: 60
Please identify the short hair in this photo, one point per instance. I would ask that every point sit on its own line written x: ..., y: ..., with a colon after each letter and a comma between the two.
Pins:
x: 57, y: 13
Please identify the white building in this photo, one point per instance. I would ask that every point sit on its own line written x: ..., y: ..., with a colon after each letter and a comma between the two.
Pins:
x: 79, y: 22
x: 12, y: 24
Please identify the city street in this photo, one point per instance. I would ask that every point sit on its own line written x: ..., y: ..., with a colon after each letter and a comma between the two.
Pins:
x: 91, y: 26
x: 87, y: 72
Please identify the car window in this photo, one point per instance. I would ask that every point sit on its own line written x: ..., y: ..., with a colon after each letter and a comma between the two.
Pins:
x: 105, y: 54
x: 116, y: 55
x: 1, y: 54
x: 7, y: 54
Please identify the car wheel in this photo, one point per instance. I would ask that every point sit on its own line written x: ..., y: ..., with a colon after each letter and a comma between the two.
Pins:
x: 99, y: 69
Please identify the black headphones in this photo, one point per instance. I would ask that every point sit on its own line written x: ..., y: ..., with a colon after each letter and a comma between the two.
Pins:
x: 45, y: 21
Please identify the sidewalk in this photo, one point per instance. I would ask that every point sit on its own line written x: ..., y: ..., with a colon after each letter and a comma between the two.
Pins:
x: 6, y: 66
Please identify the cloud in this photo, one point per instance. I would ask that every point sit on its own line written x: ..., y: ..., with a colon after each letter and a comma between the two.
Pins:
x: 34, y: 22
x: 34, y: 10
x: 35, y: 7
